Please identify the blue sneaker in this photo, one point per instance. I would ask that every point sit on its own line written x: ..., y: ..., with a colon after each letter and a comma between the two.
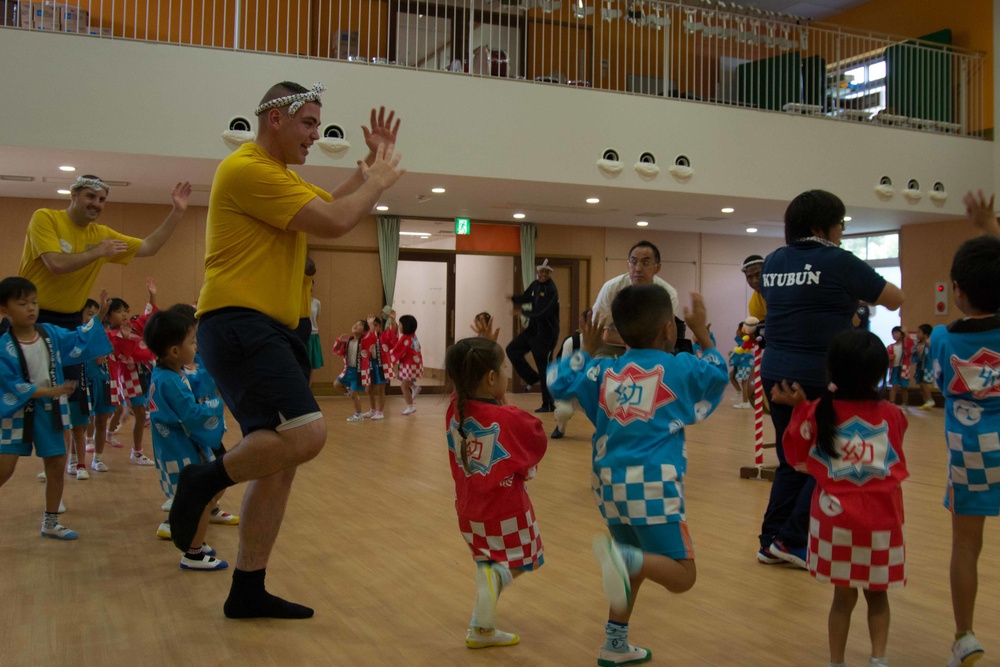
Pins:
x: 58, y: 531
x: 764, y: 556
x: 796, y: 556
x: 207, y: 563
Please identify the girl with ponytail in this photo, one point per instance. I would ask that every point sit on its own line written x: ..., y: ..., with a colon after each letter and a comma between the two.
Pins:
x: 493, y: 449
x: 851, y: 441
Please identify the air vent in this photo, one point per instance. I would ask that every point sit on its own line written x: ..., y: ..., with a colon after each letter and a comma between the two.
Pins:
x: 19, y: 179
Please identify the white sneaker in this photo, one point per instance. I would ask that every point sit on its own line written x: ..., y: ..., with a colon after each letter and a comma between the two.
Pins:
x: 41, y: 476
x: 377, y: 415
x: 410, y: 409
x: 415, y: 391
x: 62, y: 508
x: 633, y: 656
x: 966, y: 651
x: 167, y: 505
x: 163, y: 531
x: 475, y: 638
x: 356, y: 417
x: 58, y: 531
x: 99, y: 465
x: 90, y: 445
x: 140, y: 459
x: 81, y: 473
x: 208, y: 563
x: 71, y: 466
x: 927, y: 406
x: 614, y: 574
x: 224, y: 518
x: 367, y: 415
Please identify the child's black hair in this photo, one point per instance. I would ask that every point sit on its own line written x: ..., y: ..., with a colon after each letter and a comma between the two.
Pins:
x: 898, y: 329
x: 976, y: 271
x: 465, y: 364
x: 364, y: 325
x: 114, y: 306
x: 90, y: 304
x: 379, y: 321
x: 408, y: 325
x: 165, y: 329
x: 639, y: 312
x: 185, y: 309
x: 15, y: 287
x: 855, y: 363
x: 814, y: 209
x: 925, y: 329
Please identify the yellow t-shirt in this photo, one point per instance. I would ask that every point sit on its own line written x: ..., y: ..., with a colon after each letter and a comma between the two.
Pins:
x: 53, y: 231
x: 757, y: 307
x: 305, y: 310
x: 252, y: 260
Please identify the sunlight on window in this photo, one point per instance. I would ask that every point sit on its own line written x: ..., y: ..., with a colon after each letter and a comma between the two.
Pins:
x: 857, y: 245
x: 884, y: 246
x: 856, y: 75
x: 876, y: 71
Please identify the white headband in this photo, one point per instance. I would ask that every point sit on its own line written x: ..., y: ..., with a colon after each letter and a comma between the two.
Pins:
x: 749, y: 263
x: 296, y: 101
x: 92, y: 183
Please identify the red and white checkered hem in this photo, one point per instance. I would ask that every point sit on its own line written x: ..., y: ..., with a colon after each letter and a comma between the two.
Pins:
x: 871, y: 559
x: 514, y: 541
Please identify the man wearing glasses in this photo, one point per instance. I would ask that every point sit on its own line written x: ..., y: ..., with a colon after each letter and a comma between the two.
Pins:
x: 643, y: 265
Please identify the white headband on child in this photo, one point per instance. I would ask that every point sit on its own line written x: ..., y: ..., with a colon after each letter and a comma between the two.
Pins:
x: 296, y: 101
x: 750, y: 262
x: 92, y: 183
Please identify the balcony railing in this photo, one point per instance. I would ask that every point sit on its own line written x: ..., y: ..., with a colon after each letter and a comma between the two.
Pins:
x: 704, y: 51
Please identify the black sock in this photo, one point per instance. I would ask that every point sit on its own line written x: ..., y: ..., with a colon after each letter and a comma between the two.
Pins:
x: 195, y: 554
x: 197, y: 484
x: 248, y: 599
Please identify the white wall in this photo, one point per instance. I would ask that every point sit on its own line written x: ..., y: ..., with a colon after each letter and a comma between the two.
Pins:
x: 148, y: 102
x: 482, y: 283
x: 421, y: 292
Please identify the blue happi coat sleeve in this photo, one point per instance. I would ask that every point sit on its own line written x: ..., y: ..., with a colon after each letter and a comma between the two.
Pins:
x: 14, y: 391
x: 202, y: 422
x: 703, y: 381
x: 577, y: 376
x: 74, y: 346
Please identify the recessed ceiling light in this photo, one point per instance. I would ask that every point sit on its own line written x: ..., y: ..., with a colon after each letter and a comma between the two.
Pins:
x: 751, y: 230
x: 413, y: 234
x: 63, y: 192
x: 437, y: 191
x: 425, y: 236
x: 728, y: 210
x: 593, y: 200
x: 519, y: 216
x: 66, y: 167
x: 641, y: 223
x: 383, y: 207
x: 847, y: 218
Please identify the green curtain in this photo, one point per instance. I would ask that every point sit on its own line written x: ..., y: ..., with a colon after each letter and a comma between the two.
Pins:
x: 388, y: 253
x: 528, y: 234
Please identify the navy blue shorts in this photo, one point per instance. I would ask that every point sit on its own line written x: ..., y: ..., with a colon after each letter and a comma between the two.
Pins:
x: 260, y: 366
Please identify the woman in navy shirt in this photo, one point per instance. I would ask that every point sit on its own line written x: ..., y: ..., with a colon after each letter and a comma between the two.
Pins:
x: 812, y: 288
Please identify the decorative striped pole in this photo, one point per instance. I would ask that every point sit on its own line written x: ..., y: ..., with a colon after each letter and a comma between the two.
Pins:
x: 758, y: 411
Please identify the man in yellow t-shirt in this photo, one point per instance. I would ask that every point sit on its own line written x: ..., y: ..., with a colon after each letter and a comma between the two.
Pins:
x: 63, y: 255
x: 259, y: 214
x: 751, y: 269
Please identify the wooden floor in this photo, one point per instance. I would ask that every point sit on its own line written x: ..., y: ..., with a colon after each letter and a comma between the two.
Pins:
x: 370, y: 541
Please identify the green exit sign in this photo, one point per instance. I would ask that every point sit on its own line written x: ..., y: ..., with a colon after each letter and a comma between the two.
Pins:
x: 463, y: 226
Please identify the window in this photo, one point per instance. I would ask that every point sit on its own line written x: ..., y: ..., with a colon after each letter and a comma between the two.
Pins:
x: 878, y: 247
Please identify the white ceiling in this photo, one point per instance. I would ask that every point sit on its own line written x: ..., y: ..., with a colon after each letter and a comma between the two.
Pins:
x: 150, y: 179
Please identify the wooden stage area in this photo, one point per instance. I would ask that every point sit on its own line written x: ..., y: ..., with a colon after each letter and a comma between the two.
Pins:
x: 371, y: 542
